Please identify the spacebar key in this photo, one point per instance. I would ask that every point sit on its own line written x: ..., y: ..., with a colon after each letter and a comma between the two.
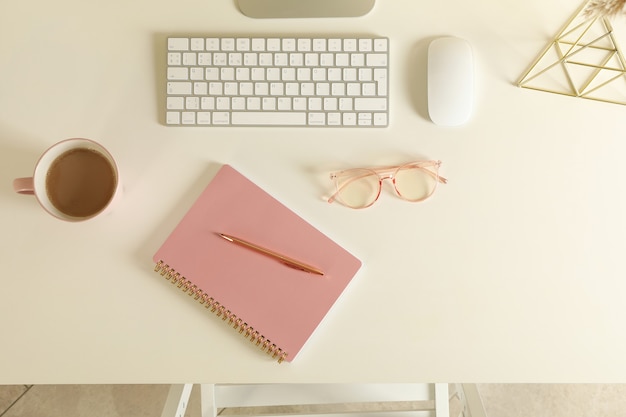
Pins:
x: 269, y: 118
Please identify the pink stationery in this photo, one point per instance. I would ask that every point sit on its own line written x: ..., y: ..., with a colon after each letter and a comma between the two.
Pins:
x: 270, y: 302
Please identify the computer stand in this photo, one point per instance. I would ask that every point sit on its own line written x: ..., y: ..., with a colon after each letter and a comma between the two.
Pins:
x: 266, y: 9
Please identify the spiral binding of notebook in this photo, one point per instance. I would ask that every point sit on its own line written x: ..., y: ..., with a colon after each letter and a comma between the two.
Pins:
x: 220, y: 311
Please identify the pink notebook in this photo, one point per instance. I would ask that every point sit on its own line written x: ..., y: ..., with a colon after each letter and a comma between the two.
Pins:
x: 271, y: 304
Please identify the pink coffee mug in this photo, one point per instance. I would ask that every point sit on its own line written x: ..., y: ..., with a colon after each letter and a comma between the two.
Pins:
x: 74, y: 180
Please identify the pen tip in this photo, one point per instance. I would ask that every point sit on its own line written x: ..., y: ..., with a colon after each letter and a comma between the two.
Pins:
x: 225, y: 237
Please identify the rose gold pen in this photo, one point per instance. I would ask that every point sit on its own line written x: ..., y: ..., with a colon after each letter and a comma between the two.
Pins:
x: 282, y: 258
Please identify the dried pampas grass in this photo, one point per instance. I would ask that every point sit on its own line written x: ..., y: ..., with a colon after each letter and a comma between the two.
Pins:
x: 605, y: 8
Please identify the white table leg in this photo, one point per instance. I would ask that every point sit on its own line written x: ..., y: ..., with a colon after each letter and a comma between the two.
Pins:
x: 177, y: 400
x: 442, y: 400
x: 207, y: 400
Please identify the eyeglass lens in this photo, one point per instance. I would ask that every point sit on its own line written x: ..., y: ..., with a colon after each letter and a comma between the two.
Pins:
x: 415, y: 183
x: 359, y: 189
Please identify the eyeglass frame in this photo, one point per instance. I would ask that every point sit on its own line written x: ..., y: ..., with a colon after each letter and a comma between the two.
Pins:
x: 390, y: 172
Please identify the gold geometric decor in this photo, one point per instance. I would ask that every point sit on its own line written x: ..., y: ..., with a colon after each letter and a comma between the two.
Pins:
x: 584, y: 59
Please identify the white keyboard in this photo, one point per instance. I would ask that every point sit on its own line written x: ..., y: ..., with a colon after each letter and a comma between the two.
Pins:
x: 267, y: 81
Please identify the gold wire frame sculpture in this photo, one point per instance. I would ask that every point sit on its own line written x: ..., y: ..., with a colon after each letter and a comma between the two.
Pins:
x: 583, y: 60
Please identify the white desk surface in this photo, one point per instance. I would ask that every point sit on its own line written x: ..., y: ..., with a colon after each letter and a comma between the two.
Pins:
x: 513, y: 271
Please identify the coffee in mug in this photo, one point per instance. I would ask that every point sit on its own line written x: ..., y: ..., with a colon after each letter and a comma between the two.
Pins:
x: 74, y: 180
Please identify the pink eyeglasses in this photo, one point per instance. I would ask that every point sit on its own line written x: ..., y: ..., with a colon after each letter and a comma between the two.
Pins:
x: 360, y: 187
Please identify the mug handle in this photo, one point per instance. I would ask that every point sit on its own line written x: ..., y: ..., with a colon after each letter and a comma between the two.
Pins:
x: 24, y: 185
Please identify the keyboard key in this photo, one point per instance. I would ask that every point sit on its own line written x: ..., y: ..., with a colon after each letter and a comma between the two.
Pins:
x: 296, y: 59
x: 299, y: 103
x: 273, y: 44
x: 221, y: 118
x: 268, y: 103
x: 349, y: 45
x: 228, y: 44
x: 365, y: 45
x: 235, y: 59
x: 277, y: 89
x: 317, y: 119
x: 253, y: 103
x: 189, y: 58
x: 380, y: 119
x: 246, y: 89
x: 281, y: 60
x: 303, y: 45
x: 303, y: 74
x: 196, y: 74
x: 342, y: 60
x: 175, y: 103
x: 216, y: 89
x: 220, y: 59
x: 271, y: 118
x: 333, y: 119
x: 204, y: 58
x: 288, y: 74
x: 338, y: 89
x: 357, y: 60
x: 335, y: 45
x: 238, y: 103
x: 327, y: 60
x: 177, y: 44
x: 289, y: 44
x: 365, y: 74
x: 212, y: 44
x: 231, y: 89
x: 203, y: 118
x: 319, y: 45
x: 188, y: 118
x: 192, y: 103
x: 369, y: 89
x: 222, y: 103
x: 330, y: 104
x: 307, y: 89
x: 172, y: 118
x: 177, y: 73
x: 380, y: 45
x: 200, y: 88
x: 242, y: 74
x: 174, y: 58
x: 292, y: 89
x: 243, y: 44
x: 251, y: 59
x: 315, y: 103
x: 349, y: 119
x: 179, y: 88
x: 364, y: 119
x: 212, y: 74
x: 284, y: 103
x: 374, y: 104
x: 376, y: 60
x: 345, y: 104
x: 258, y: 44
x: 207, y: 103
x: 197, y: 44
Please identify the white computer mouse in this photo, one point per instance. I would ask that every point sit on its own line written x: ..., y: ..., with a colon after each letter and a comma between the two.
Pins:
x: 450, y: 81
